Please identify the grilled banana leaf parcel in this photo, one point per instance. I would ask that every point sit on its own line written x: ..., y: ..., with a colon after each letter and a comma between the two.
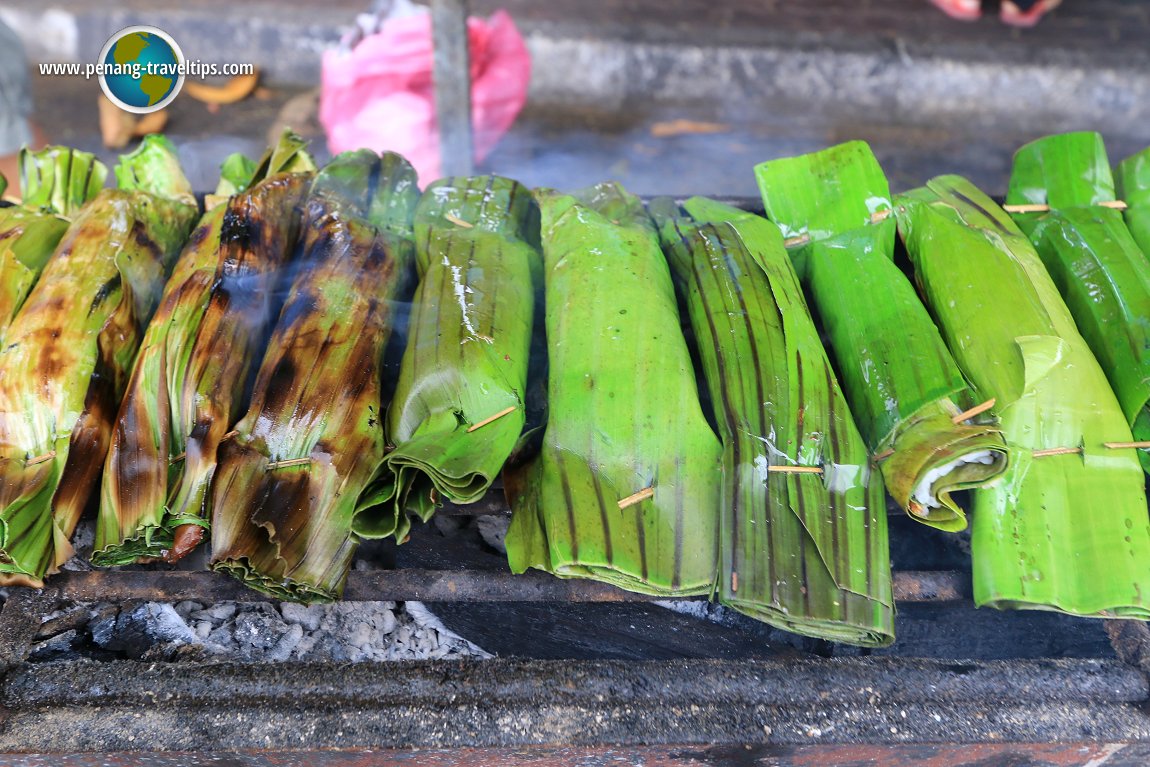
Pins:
x: 287, y: 516
x: 1133, y: 186
x: 186, y: 386
x: 56, y: 182
x: 802, y: 533
x: 69, y: 352
x: 903, y: 385
x: 1066, y: 528
x: 1101, y: 272
x: 458, y: 408
x: 626, y: 486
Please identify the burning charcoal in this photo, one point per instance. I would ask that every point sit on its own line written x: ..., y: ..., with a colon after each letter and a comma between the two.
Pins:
x: 493, y: 530
x: 134, y: 633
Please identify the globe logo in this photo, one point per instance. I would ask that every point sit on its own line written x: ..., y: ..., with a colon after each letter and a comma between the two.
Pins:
x: 141, y: 69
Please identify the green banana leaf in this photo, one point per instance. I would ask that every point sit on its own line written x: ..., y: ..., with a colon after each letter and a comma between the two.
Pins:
x: 69, y: 352
x: 469, y: 340
x: 806, y: 552
x: 188, y: 380
x: 1098, y: 267
x: 1065, y: 531
x: 624, y: 413
x: 1132, y: 182
x: 902, y: 383
x: 57, y: 182
x: 60, y: 179
x: 287, y: 516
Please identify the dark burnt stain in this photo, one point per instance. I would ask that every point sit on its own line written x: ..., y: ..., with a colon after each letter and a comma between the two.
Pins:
x: 280, y: 386
x: 239, y: 227
x: 107, y: 289
x: 199, y: 234
x: 146, y: 243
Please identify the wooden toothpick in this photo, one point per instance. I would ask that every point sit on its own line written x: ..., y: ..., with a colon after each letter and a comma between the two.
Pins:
x: 1056, y: 451
x: 1144, y: 445
x: 490, y: 418
x: 639, y: 497
x: 41, y: 458
x: 458, y: 221
x: 796, y: 469
x: 289, y: 462
x: 966, y: 415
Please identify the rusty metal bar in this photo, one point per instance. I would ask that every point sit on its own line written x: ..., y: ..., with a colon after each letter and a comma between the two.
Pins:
x: 452, y: 85
x: 426, y: 586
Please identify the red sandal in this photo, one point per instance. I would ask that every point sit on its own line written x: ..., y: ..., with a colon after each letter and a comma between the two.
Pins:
x: 1026, y: 13
x: 963, y: 10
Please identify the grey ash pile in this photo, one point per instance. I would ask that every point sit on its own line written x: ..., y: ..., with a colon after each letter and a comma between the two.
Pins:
x: 255, y: 632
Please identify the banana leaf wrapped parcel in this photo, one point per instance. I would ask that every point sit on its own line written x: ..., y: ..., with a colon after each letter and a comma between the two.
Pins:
x: 186, y: 387
x: 626, y: 486
x: 1066, y: 528
x: 56, y: 182
x: 459, y: 404
x: 1132, y: 184
x: 69, y: 352
x: 287, y: 514
x: 802, y: 531
x: 904, y: 387
x: 1103, y: 275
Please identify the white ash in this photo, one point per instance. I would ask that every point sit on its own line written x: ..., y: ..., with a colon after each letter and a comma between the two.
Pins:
x: 493, y: 530
x: 263, y: 632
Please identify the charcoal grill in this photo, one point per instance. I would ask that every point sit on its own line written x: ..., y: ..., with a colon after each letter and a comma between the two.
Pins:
x: 810, y: 703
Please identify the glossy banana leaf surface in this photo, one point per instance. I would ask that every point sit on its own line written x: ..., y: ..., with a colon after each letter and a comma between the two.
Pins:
x: 804, y: 551
x: 903, y: 385
x: 286, y: 497
x: 188, y: 381
x: 56, y: 182
x: 1066, y: 527
x: 69, y: 352
x: 1132, y: 182
x: 626, y: 486
x: 1098, y: 267
x: 468, y: 345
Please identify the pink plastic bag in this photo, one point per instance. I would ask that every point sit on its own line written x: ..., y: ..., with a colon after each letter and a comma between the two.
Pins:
x: 381, y: 94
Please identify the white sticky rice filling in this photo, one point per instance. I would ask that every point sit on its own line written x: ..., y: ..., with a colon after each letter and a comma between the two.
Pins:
x: 922, y: 492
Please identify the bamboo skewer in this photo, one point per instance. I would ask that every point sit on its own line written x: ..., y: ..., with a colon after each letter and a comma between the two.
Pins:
x: 289, y: 462
x: 41, y: 458
x: 1042, y: 208
x: 796, y: 469
x: 458, y: 221
x: 966, y: 415
x: 490, y: 418
x: 1144, y: 445
x: 1056, y: 451
x: 639, y: 497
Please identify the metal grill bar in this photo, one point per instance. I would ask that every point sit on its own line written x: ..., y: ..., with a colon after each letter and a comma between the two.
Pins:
x: 424, y: 586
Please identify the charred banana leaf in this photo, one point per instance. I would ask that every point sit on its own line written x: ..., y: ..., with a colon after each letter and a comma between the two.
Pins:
x: 903, y: 385
x: 1133, y: 187
x: 69, y: 353
x: 626, y: 487
x: 286, y: 511
x: 458, y: 408
x: 1101, y: 272
x: 1066, y: 528
x: 56, y: 182
x: 188, y: 381
x: 802, y: 533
